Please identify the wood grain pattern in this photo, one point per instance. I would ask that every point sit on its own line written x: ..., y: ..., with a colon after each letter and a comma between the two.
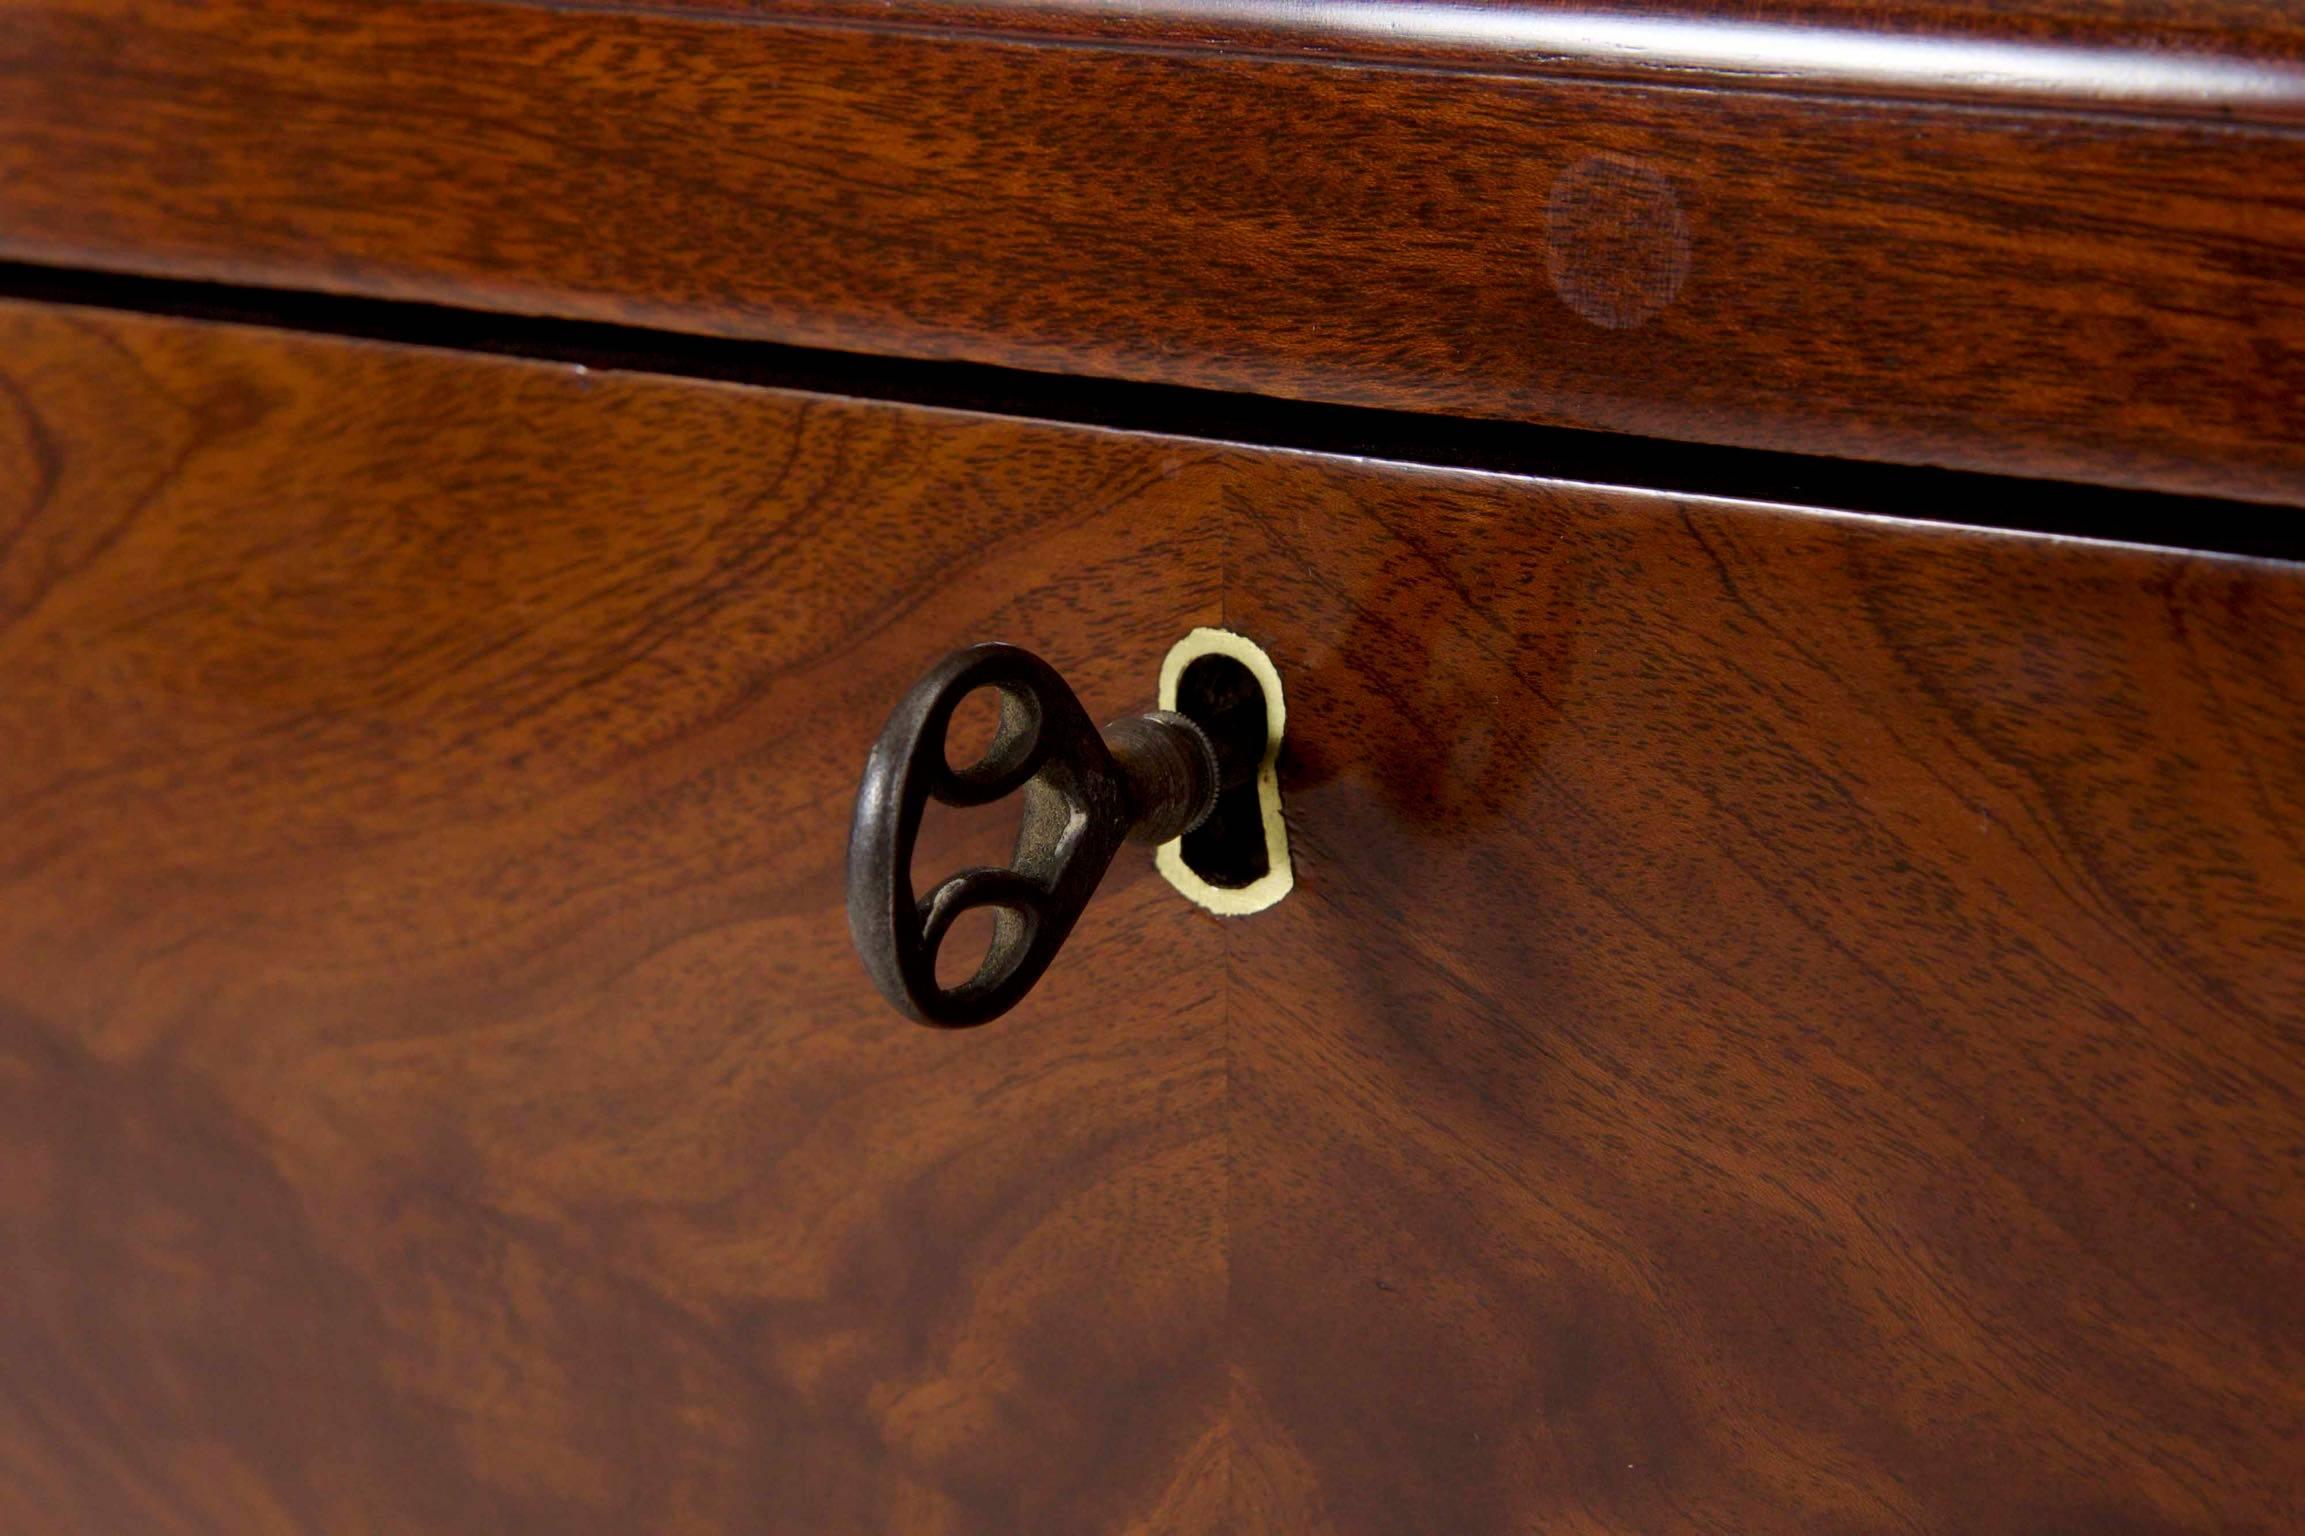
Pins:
x: 2230, y: 59
x: 435, y: 1089
x: 2077, y: 295
x: 1788, y: 1023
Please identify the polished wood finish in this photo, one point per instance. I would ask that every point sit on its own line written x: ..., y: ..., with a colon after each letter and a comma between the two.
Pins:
x: 2224, y: 58
x: 436, y: 1093
x: 2047, y: 288
x: 1788, y: 1023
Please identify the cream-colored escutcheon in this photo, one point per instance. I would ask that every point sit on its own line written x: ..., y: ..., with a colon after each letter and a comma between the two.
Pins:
x: 1278, y: 878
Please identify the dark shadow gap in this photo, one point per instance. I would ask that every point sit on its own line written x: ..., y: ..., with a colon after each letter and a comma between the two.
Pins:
x: 1956, y: 498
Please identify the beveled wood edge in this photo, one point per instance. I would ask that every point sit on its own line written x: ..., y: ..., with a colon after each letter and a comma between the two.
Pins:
x: 2200, y: 72
x: 246, y: 205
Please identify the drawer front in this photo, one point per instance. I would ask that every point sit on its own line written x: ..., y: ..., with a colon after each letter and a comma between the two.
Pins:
x: 1795, y: 1024
x: 1788, y: 1022
x: 440, y: 1093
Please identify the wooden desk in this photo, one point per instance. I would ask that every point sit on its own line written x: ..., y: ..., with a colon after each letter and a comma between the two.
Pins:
x: 1790, y: 1019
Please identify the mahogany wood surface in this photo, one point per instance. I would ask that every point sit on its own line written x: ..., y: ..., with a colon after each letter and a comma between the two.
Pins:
x: 1788, y: 1023
x: 2047, y: 287
x: 436, y: 1092
x: 2231, y: 58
